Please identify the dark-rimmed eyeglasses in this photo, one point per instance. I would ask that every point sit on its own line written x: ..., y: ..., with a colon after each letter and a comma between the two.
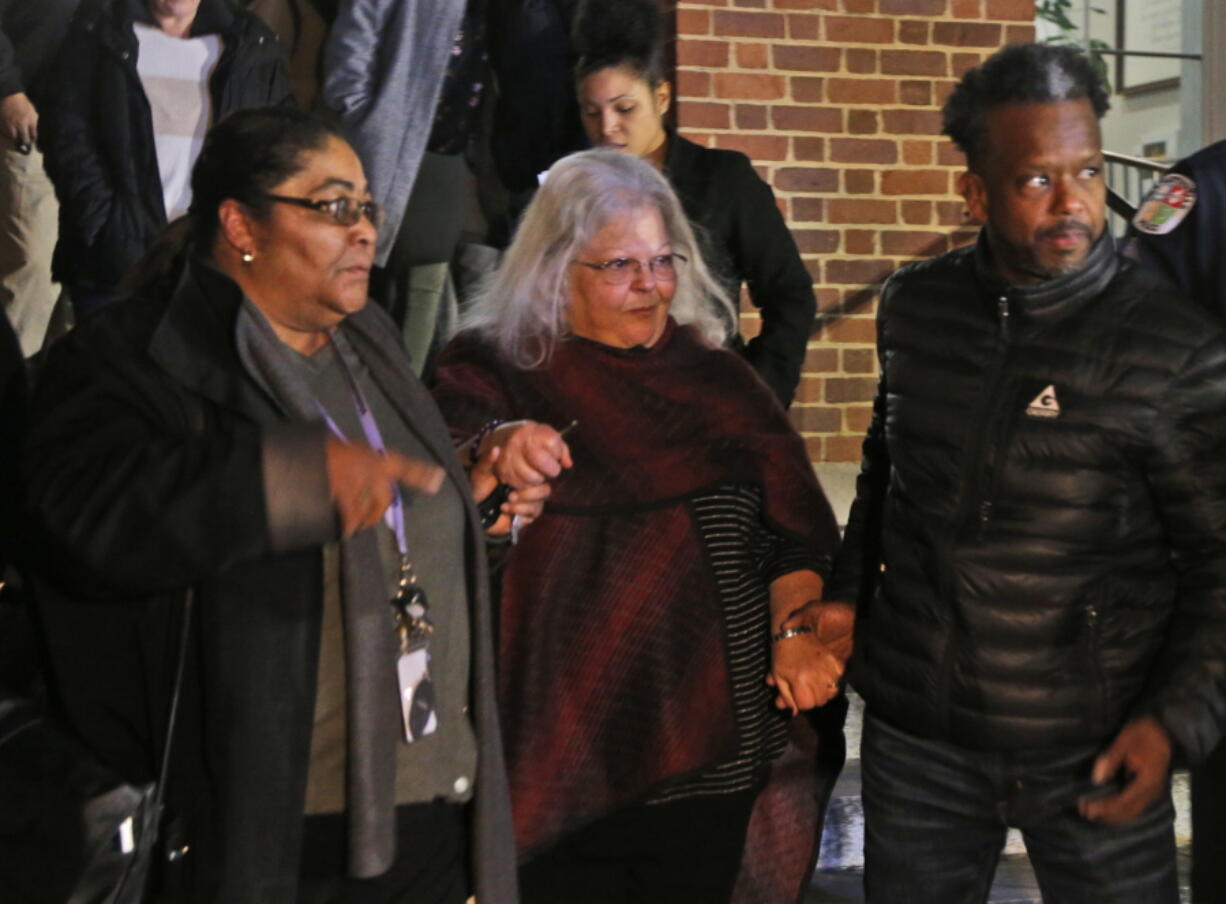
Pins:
x: 343, y: 211
x: 621, y: 270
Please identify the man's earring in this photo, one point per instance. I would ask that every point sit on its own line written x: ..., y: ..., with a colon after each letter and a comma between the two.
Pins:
x: 248, y: 257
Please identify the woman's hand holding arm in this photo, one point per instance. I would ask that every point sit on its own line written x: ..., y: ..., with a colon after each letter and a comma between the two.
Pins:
x: 524, y: 455
x: 806, y: 666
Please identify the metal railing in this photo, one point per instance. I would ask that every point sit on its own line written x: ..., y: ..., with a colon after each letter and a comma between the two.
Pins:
x: 1129, y: 179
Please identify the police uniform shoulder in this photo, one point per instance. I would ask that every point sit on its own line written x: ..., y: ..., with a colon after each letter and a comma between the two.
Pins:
x: 1167, y: 204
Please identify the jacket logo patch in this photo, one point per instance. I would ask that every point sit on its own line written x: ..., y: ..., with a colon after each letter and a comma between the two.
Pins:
x: 1166, y: 205
x: 1045, y: 404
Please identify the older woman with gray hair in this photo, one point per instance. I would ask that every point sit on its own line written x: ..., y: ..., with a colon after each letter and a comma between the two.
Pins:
x: 658, y: 623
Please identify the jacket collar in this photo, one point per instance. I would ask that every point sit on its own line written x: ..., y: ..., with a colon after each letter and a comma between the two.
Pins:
x: 1057, y: 296
x: 213, y: 16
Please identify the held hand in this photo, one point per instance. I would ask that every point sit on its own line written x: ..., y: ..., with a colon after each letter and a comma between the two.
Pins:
x: 19, y: 121
x: 361, y: 480
x: 1141, y: 752
x: 532, y: 454
x: 806, y: 668
x: 525, y: 504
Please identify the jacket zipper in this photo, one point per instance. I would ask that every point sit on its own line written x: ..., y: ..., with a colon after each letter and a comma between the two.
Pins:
x: 1092, y: 629
x: 967, y: 507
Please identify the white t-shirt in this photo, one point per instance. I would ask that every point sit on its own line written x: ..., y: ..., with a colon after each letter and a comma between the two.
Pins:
x: 175, y: 74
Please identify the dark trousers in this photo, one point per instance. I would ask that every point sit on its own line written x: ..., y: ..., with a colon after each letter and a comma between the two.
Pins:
x: 685, y: 852
x: 1209, y: 829
x: 431, y: 860
x: 936, y: 816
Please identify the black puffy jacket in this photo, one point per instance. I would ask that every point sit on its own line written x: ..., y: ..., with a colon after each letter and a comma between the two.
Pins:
x: 98, y: 129
x: 1038, y: 544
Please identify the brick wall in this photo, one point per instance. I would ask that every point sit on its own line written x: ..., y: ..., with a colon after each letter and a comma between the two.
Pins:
x: 838, y: 104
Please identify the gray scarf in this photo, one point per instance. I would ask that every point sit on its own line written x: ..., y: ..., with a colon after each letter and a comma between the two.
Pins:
x: 371, y: 693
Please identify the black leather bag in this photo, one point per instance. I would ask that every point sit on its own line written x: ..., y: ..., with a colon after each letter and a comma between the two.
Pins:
x: 72, y: 832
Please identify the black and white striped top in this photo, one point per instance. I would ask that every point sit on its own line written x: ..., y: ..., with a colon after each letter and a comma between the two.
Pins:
x: 745, y: 557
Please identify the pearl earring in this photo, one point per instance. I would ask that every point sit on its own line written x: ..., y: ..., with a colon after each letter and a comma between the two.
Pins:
x: 248, y: 257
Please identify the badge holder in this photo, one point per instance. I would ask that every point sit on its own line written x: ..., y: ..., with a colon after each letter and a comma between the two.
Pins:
x: 413, y: 628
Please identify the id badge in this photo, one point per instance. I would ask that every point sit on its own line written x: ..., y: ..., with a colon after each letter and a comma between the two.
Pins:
x: 416, y: 693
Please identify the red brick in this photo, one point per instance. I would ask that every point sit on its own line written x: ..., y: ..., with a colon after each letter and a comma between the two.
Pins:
x: 807, y: 119
x: 859, y: 241
x: 751, y: 56
x: 803, y: 28
x: 859, y: 182
x: 693, y: 84
x: 859, y: 30
x: 808, y: 89
x: 807, y: 179
x: 916, y: 93
x: 751, y: 116
x: 913, y: 62
x: 859, y: 6
x: 816, y: 241
x: 960, y: 238
x: 914, y: 244
x: 952, y: 213
x: 912, y: 122
x: 808, y: 210
x: 693, y: 22
x: 861, y: 90
x: 859, y: 360
x: 815, y: 419
x: 750, y: 324
x: 914, y: 182
x: 750, y: 25
x: 821, y: 360
x: 861, y: 60
x: 912, y: 7
x: 810, y: 59
x: 862, y: 122
x: 858, y: 417
x: 913, y: 31
x: 959, y: 63
x: 813, y: 448
x: 852, y: 389
x: 698, y: 115
x: 713, y: 54
x: 966, y: 34
x: 942, y: 88
x: 966, y: 9
x: 916, y: 213
x: 759, y: 4
x: 1011, y: 10
x: 745, y: 86
x: 863, y: 150
x: 1019, y: 34
x: 917, y: 153
x: 842, y: 448
x: 809, y: 148
x: 849, y: 329
x: 813, y: 267
x: 949, y: 155
x: 806, y: 4
x: 861, y: 210
x: 756, y: 147
x: 808, y: 391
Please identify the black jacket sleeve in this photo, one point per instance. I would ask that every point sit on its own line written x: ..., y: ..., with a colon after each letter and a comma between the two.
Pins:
x: 11, y: 81
x: 1186, y: 690
x: 766, y: 258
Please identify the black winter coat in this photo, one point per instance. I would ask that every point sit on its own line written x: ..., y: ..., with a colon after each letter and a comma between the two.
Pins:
x: 745, y: 239
x: 148, y: 468
x: 1038, y: 543
x: 98, y: 130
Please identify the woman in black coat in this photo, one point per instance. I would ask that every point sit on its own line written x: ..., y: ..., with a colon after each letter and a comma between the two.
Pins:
x: 623, y: 98
x: 99, y: 128
x: 223, y: 430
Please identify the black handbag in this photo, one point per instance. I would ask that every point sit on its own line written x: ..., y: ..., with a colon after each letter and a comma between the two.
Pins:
x: 71, y: 831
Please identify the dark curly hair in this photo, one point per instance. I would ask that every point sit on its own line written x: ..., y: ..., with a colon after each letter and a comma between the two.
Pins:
x: 1018, y: 74
x: 615, y: 33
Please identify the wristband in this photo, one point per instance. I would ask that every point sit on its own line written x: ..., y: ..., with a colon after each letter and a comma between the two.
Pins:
x: 474, y: 448
x: 791, y: 632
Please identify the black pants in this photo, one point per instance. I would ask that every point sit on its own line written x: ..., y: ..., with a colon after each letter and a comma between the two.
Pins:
x: 431, y: 861
x: 686, y: 852
x: 1209, y: 829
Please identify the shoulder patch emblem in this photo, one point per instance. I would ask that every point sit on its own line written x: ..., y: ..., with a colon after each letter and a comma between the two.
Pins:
x: 1166, y: 205
x: 1045, y: 404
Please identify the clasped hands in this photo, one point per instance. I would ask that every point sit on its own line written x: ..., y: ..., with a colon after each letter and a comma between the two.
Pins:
x: 524, y: 455
x: 806, y: 668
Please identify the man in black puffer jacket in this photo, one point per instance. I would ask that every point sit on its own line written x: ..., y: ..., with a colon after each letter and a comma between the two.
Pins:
x: 1038, y: 543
